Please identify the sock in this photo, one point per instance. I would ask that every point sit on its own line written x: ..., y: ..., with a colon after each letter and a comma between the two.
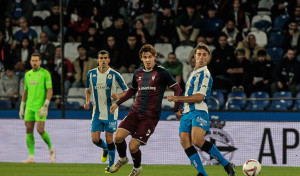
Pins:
x: 30, y: 143
x: 102, y: 144
x: 192, y: 153
x: 46, y: 138
x: 111, y: 153
x: 213, y: 151
x: 137, y: 158
x: 121, y: 148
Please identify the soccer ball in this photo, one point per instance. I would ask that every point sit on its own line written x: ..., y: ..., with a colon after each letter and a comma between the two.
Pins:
x: 251, y: 167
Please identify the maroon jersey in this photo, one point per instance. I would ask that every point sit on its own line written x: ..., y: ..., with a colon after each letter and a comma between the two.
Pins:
x: 151, y: 86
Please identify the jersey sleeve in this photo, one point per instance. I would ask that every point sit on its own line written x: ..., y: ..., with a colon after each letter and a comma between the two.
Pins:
x: 203, y: 83
x: 48, y: 80
x: 25, y: 83
x: 168, y: 78
x: 121, y: 82
x: 88, y: 85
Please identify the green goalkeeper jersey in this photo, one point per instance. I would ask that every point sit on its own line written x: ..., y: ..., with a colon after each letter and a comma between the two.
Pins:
x: 36, y: 83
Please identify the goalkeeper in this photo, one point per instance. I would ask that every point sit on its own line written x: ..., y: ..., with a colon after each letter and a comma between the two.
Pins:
x: 36, y: 97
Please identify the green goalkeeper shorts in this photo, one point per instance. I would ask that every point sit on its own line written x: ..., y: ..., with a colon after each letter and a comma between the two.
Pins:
x: 32, y: 115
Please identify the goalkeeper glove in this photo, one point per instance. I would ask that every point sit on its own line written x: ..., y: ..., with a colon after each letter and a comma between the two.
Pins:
x: 21, y: 112
x: 44, y: 109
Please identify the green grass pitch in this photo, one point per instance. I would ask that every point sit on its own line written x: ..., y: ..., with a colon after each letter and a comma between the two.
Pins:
x: 45, y: 169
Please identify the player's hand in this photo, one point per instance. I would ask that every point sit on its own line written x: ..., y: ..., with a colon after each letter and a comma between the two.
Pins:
x: 114, y: 96
x: 43, y: 112
x: 21, y: 112
x: 113, y: 108
x: 178, y: 114
x: 86, y: 106
x: 172, y: 98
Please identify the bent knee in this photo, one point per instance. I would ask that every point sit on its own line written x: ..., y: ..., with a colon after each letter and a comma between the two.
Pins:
x: 118, y: 139
x: 40, y: 131
x: 198, y: 142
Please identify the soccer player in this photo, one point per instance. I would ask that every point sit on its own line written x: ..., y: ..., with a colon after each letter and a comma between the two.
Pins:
x: 103, y: 83
x: 194, y: 122
x: 37, y: 95
x: 150, y: 83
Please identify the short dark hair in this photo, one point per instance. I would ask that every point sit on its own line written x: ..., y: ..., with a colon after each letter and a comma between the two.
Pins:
x: 240, y: 51
x: 82, y: 46
x: 36, y: 54
x: 202, y: 46
x: 147, y: 48
x: 262, y: 52
x: 103, y: 52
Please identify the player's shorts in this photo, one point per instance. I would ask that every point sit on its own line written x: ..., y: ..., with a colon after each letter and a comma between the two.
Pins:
x: 194, y: 118
x: 140, y: 126
x: 33, y: 115
x: 104, y: 125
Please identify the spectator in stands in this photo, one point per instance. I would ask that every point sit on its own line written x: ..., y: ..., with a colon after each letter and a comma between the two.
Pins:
x: 250, y: 46
x: 294, y: 17
x: 291, y: 38
x: 56, y: 86
x: 166, y: 29
x: 174, y: 66
x: 220, y: 56
x: 239, y: 70
x: 288, y: 74
x: 45, y: 48
x: 77, y: 26
x: 5, y: 56
x: 22, y: 55
x: 234, y: 35
x: 91, y: 39
x: 211, y: 25
x: 68, y: 68
x: 16, y: 9
x: 7, y: 30
x: 44, y: 4
x: 149, y: 20
x: 112, y: 47
x: 81, y: 66
x: 221, y: 6
x: 25, y: 31
x: 97, y: 18
x: 237, y: 13
x: 188, y: 25
x: 261, y: 74
x: 130, y: 53
x: 9, y: 84
x: 52, y: 24
x: 281, y: 7
x: 117, y: 29
x: 142, y: 33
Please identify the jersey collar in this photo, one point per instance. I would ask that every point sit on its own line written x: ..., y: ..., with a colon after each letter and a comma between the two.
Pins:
x: 107, y: 71
x: 151, y: 69
x: 201, y: 68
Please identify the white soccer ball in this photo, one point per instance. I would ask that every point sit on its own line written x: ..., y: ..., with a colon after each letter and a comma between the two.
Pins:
x: 251, y: 167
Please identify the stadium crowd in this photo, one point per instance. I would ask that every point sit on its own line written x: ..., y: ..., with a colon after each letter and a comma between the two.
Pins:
x: 255, y: 43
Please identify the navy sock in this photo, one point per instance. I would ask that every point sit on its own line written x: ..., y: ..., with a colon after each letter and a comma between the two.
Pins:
x: 192, y: 153
x: 137, y: 158
x: 102, y: 144
x: 121, y: 148
x: 111, y: 153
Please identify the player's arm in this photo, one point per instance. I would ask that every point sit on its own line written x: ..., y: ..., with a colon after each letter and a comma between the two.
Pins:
x: 87, y: 99
x: 22, y: 105
x: 118, y: 96
x: 195, y: 98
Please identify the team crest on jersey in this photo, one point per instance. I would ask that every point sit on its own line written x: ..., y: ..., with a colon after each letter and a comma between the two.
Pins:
x: 94, y: 75
x: 39, y: 74
x: 153, y: 77
x: 109, y: 76
x: 140, y: 78
x: 197, y: 74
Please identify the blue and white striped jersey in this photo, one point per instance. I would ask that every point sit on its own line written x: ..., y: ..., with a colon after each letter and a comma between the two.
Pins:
x: 199, y: 81
x: 102, y: 86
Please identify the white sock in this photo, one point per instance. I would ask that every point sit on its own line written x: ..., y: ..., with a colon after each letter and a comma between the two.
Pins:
x: 123, y: 159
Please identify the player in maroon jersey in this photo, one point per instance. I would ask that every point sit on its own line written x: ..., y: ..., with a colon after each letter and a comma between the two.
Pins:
x: 150, y: 83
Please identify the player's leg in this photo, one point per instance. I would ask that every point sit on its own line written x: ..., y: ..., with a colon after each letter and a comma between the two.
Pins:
x: 97, y: 127
x: 29, y: 123
x: 136, y: 154
x: 186, y: 142
x: 41, y: 121
x: 109, y: 128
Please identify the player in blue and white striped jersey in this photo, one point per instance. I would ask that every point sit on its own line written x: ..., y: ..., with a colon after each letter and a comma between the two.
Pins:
x: 102, y: 83
x: 194, y: 122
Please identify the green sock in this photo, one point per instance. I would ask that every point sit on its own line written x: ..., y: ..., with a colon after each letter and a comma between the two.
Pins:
x: 30, y: 143
x: 46, y: 138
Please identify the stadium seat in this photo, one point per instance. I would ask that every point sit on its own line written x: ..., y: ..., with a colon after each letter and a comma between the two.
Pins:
x: 275, y: 39
x: 262, y: 22
x: 281, y: 104
x: 279, y: 21
x: 55, y: 43
x: 264, y: 7
x: 218, y: 94
x: 5, y: 104
x: 275, y: 54
x: 43, y: 14
x: 72, y: 105
x: 183, y: 53
x: 127, y: 78
x: 38, y: 30
x: 261, y: 38
x: 79, y: 93
x: 163, y: 49
x: 52, y: 105
x: 258, y: 104
x: 166, y: 105
x: 212, y: 103
x: 70, y: 50
x: 236, y: 104
x: 297, y: 102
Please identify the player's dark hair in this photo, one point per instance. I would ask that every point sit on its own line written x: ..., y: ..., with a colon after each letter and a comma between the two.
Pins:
x: 103, y: 52
x: 36, y: 54
x: 147, y: 48
x: 202, y: 46
x: 262, y: 52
